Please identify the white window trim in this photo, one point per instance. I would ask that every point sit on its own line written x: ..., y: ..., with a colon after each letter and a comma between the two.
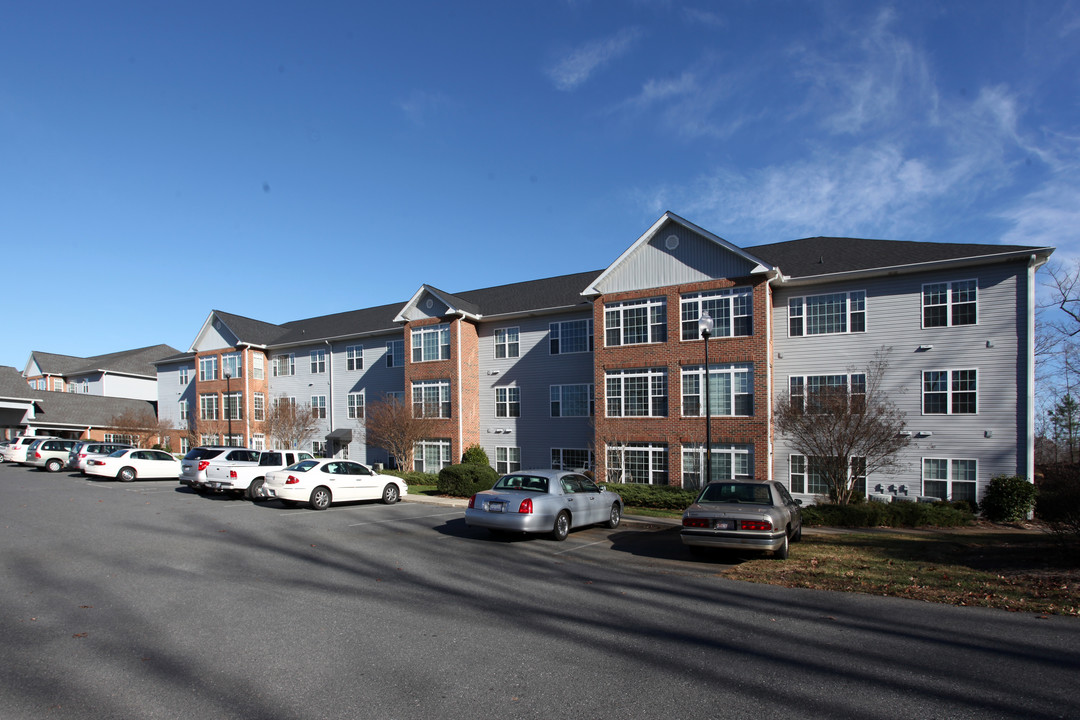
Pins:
x: 354, y: 356
x: 847, y: 313
x: 948, y: 391
x: 948, y: 304
x: 505, y: 343
x: 697, y: 298
x: 730, y: 369
x: 649, y: 304
x: 590, y: 410
x: 556, y: 333
x: 651, y: 374
x: 442, y: 333
x: 507, y: 403
x: 949, y: 478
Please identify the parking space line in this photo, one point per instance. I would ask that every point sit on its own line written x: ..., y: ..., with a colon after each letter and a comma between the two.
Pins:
x: 580, y: 547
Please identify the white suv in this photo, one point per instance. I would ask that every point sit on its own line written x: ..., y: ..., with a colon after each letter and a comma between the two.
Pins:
x: 16, y: 451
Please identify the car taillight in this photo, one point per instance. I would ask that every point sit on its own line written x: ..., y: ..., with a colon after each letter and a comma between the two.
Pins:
x: 292, y: 480
x: 37, y: 454
x: 203, y: 464
x: 526, y: 506
x: 82, y: 456
x: 232, y: 474
x: 695, y: 522
x: 755, y: 525
x: 472, y: 502
x: 94, y: 462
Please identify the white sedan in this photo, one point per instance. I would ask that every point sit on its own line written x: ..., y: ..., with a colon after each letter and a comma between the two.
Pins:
x: 321, y: 482
x: 130, y: 463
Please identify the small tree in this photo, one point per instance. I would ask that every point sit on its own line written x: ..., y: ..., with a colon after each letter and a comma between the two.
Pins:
x: 841, y: 428
x: 1065, y: 419
x: 475, y: 455
x: 142, y: 425
x: 288, y: 424
x: 389, y: 424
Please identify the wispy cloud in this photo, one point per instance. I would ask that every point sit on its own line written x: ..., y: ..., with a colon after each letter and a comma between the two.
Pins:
x: 697, y: 16
x: 421, y: 105
x: 576, y: 66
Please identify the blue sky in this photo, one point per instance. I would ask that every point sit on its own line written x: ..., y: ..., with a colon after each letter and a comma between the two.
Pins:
x: 289, y: 160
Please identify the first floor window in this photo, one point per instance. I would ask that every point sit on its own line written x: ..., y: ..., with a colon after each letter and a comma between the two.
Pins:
x: 208, y: 407
x: 808, y: 476
x: 185, y: 445
x: 645, y: 463
x: 571, y: 459
x: 731, y: 390
x: 258, y: 406
x: 258, y: 441
x: 950, y: 392
x: 209, y: 439
x: 235, y: 440
x: 431, y: 398
x: 572, y: 400
x: 318, y: 406
x: 354, y: 357
x: 508, y: 402
x: 950, y: 479
x: 318, y: 448
x: 729, y: 462
x: 431, y: 456
x: 507, y: 460
x: 121, y: 438
x: 356, y: 405
x: 637, y: 393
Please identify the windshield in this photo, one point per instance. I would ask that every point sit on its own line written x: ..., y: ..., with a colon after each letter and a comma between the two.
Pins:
x: 530, y: 483
x: 736, y: 493
x: 303, y: 466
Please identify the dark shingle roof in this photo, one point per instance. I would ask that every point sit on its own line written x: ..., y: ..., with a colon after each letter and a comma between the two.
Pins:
x: 828, y: 255
x: 139, y: 361
x: 13, y: 384
x: 250, y: 330
x: 557, y: 292
x: 67, y: 408
x: 353, y: 322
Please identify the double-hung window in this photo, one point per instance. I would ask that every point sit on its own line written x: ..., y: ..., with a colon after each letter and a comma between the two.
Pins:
x: 818, y: 394
x: 258, y: 366
x: 638, y: 462
x: 949, y: 479
x: 183, y: 376
x: 570, y: 336
x: 395, y: 353
x: 634, y: 322
x: 508, y: 402
x: 731, y: 311
x: 729, y: 462
x: 507, y: 460
x: 637, y: 393
x: 835, y: 313
x: 431, y: 342
x: 184, y: 410
x: 950, y: 392
x: 284, y: 365
x: 318, y: 361
x: 232, y: 406
x: 809, y: 476
x: 431, y: 456
x: 431, y: 398
x: 950, y: 303
x: 354, y: 357
x: 507, y: 343
x: 572, y: 400
x: 731, y: 390
x: 208, y: 368
x: 232, y: 365
x: 356, y: 405
x: 571, y: 459
x: 258, y: 405
x: 318, y: 406
x: 208, y: 407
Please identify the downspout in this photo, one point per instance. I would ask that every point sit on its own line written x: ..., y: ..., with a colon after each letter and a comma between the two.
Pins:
x: 330, y: 391
x: 1029, y: 358
x: 244, y: 354
x: 460, y: 394
x: 770, y: 349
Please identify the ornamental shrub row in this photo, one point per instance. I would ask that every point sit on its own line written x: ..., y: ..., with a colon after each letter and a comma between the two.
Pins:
x: 466, y: 480
x: 412, y: 477
x: 894, y: 514
x: 658, y: 497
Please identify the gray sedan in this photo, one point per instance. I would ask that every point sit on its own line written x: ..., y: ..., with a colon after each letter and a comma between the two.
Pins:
x: 543, y: 501
x: 743, y: 515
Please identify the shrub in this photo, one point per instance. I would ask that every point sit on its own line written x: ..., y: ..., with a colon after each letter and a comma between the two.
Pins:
x: 658, y: 497
x: 1008, y: 498
x: 466, y: 479
x: 474, y: 455
x: 1058, y: 503
x: 412, y: 477
x: 894, y: 514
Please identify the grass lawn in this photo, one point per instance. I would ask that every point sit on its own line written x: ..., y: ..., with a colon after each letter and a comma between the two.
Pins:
x: 1017, y: 570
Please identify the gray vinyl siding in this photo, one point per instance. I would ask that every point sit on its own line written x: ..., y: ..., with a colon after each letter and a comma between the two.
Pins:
x: 654, y: 265
x: 995, y: 347
x: 375, y: 379
x: 534, y: 371
x: 170, y: 392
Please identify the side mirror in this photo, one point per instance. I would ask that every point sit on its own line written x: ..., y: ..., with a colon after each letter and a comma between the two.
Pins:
x: 798, y: 502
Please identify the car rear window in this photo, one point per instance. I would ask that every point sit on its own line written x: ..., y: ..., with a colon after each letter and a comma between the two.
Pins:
x: 303, y: 466
x: 243, y: 455
x: 736, y: 493
x: 522, y: 482
x: 203, y: 453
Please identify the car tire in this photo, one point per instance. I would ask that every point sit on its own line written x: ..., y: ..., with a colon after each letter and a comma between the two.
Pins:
x: 781, y: 553
x: 562, y: 526
x: 54, y: 466
x: 614, y: 516
x: 126, y: 474
x: 390, y: 494
x: 255, y: 489
x: 320, y: 498
x: 797, y: 537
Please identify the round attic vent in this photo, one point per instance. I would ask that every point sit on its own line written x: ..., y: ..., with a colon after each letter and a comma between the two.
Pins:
x: 217, y: 324
x: 429, y: 303
x: 671, y: 242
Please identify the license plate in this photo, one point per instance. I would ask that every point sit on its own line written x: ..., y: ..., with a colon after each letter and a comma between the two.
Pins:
x: 725, y: 524
x: 495, y: 507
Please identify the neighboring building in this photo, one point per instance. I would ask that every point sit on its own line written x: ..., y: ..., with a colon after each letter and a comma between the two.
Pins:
x: 125, y: 374
x: 605, y: 369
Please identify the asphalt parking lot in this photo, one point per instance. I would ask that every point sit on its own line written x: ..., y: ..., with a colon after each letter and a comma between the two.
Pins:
x: 146, y: 600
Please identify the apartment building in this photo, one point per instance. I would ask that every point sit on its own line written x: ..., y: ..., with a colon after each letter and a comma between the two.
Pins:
x: 606, y: 369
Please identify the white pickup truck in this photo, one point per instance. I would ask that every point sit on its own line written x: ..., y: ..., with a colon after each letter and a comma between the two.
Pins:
x: 246, y: 478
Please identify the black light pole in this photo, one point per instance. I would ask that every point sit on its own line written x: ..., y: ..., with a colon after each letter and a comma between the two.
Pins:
x: 228, y: 409
x: 705, y: 326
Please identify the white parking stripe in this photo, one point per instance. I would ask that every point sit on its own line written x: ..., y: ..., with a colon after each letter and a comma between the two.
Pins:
x: 580, y: 547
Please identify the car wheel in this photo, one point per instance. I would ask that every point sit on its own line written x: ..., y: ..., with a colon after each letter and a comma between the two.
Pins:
x: 782, y: 552
x: 126, y: 474
x: 614, y: 516
x: 53, y: 466
x: 255, y: 489
x: 562, y: 526
x: 390, y: 494
x: 320, y: 498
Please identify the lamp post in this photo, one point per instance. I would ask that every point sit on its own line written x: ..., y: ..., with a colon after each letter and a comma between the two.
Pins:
x: 228, y: 409
x: 705, y: 327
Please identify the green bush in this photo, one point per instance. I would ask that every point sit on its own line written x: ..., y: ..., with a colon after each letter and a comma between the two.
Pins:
x: 466, y: 479
x: 412, y: 477
x: 474, y: 455
x: 1008, y: 498
x: 894, y: 514
x: 658, y: 497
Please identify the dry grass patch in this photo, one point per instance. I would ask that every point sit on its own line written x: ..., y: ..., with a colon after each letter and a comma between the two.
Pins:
x: 1017, y: 571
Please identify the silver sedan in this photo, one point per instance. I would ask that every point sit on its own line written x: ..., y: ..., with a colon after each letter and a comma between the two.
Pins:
x: 743, y: 515
x: 543, y: 501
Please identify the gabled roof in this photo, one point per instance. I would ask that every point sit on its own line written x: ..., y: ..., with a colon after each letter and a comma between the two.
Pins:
x: 64, y: 408
x: 368, y: 321
x: 248, y: 330
x: 13, y: 385
x: 454, y: 304
x: 821, y: 256
x: 139, y: 361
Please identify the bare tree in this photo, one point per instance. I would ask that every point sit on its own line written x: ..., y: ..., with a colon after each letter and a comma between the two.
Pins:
x: 846, y: 431
x: 142, y: 425
x: 389, y: 424
x: 288, y: 424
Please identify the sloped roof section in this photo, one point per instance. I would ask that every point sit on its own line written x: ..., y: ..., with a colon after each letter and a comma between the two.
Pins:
x: 54, y: 364
x: 139, y: 361
x: 557, y: 293
x: 13, y: 384
x: 816, y: 256
x: 345, y: 324
x: 79, y: 409
x: 249, y: 330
